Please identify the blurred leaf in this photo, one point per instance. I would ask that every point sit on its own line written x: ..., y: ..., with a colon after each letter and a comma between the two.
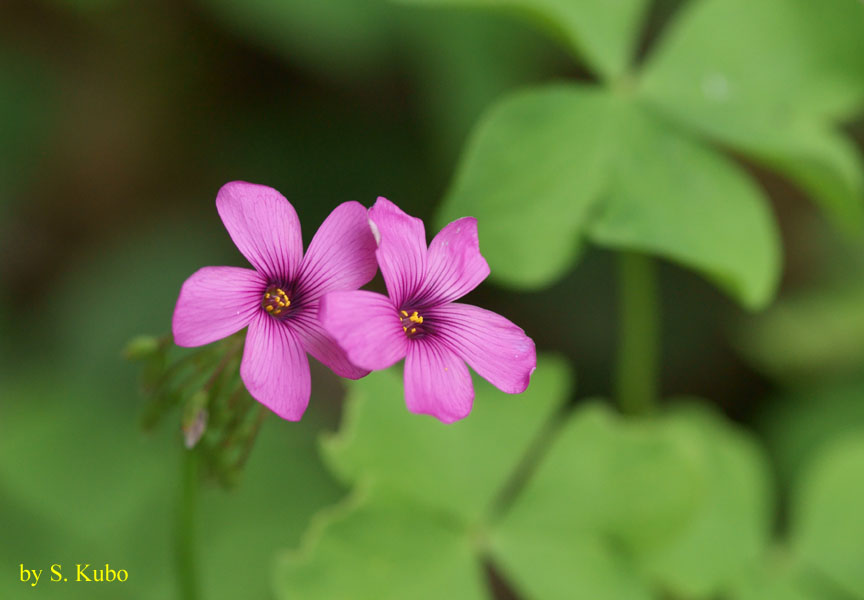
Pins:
x: 458, y: 468
x: 730, y: 531
x: 799, y: 423
x: 777, y: 580
x: 679, y: 503
x: 603, y: 31
x: 77, y: 484
x: 828, y: 523
x: 676, y: 198
x: 794, y: 56
x: 635, y: 484
x: 284, y: 484
x: 595, y: 506
x: 794, y: 65
x: 533, y: 167
x: 80, y: 483
x: 813, y: 336
x: 346, y: 38
x: 383, y: 548
x: 422, y: 532
x: 552, y: 565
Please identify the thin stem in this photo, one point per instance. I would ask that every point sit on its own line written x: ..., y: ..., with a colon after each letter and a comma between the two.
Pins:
x: 185, y: 555
x: 638, y: 334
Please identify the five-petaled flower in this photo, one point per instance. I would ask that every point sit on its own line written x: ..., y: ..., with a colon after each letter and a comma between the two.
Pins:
x: 420, y: 322
x: 279, y: 300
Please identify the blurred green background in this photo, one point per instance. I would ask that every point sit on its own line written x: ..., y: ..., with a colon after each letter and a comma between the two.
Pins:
x: 119, y: 121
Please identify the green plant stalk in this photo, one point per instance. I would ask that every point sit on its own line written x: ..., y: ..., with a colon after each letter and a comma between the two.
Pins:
x: 185, y: 555
x: 638, y: 334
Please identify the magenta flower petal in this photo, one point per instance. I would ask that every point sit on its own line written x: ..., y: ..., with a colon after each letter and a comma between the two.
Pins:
x: 341, y: 256
x: 497, y: 349
x: 275, y: 369
x: 324, y: 348
x: 437, y: 382
x: 366, y: 325
x: 264, y: 226
x: 455, y: 265
x: 401, y: 249
x: 214, y: 303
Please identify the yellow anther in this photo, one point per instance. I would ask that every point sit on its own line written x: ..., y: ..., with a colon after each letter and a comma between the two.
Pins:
x: 267, y: 295
x: 268, y: 308
x: 413, y: 330
x: 405, y: 329
x: 415, y: 318
x: 405, y: 313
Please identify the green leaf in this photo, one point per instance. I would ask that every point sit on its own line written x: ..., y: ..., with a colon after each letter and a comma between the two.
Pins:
x: 796, y: 56
x: 828, y: 523
x: 730, y: 531
x: 566, y: 567
x: 265, y: 512
x: 534, y: 166
x: 812, y: 336
x: 634, y: 484
x: 681, y: 503
x: 778, y: 578
x: 546, y: 165
x: 794, y: 65
x: 384, y: 548
x: 676, y: 198
x: 798, y: 424
x: 80, y: 483
x: 458, y: 468
x: 603, y: 31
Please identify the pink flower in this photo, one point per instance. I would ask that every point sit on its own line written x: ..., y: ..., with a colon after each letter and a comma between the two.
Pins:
x: 420, y: 322
x: 278, y: 301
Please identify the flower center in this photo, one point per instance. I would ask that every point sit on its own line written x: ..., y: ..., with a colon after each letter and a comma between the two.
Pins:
x: 411, y: 323
x: 275, y: 302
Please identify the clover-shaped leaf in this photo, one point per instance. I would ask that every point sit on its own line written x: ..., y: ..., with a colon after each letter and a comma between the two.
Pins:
x: 676, y: 198
x: 586, y: 505
x: 824, y: 552
x: 768, y: 78
x: 570, y: 161
x: 731, y: 528
x: 828, y: 523
x: 459, y: 468
x: 604, y: 32
x: 622, y: 165
x: 383, y: 547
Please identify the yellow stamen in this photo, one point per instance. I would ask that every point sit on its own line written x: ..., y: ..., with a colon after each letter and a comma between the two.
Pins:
x: 404, y: 328
x: 405, y: 313
x: 415, y: 318
x: 268, y: 308
x: 413, y: 330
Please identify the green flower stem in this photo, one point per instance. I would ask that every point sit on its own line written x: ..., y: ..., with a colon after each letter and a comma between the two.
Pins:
x: 187, y: 570
x: 638, y: 334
